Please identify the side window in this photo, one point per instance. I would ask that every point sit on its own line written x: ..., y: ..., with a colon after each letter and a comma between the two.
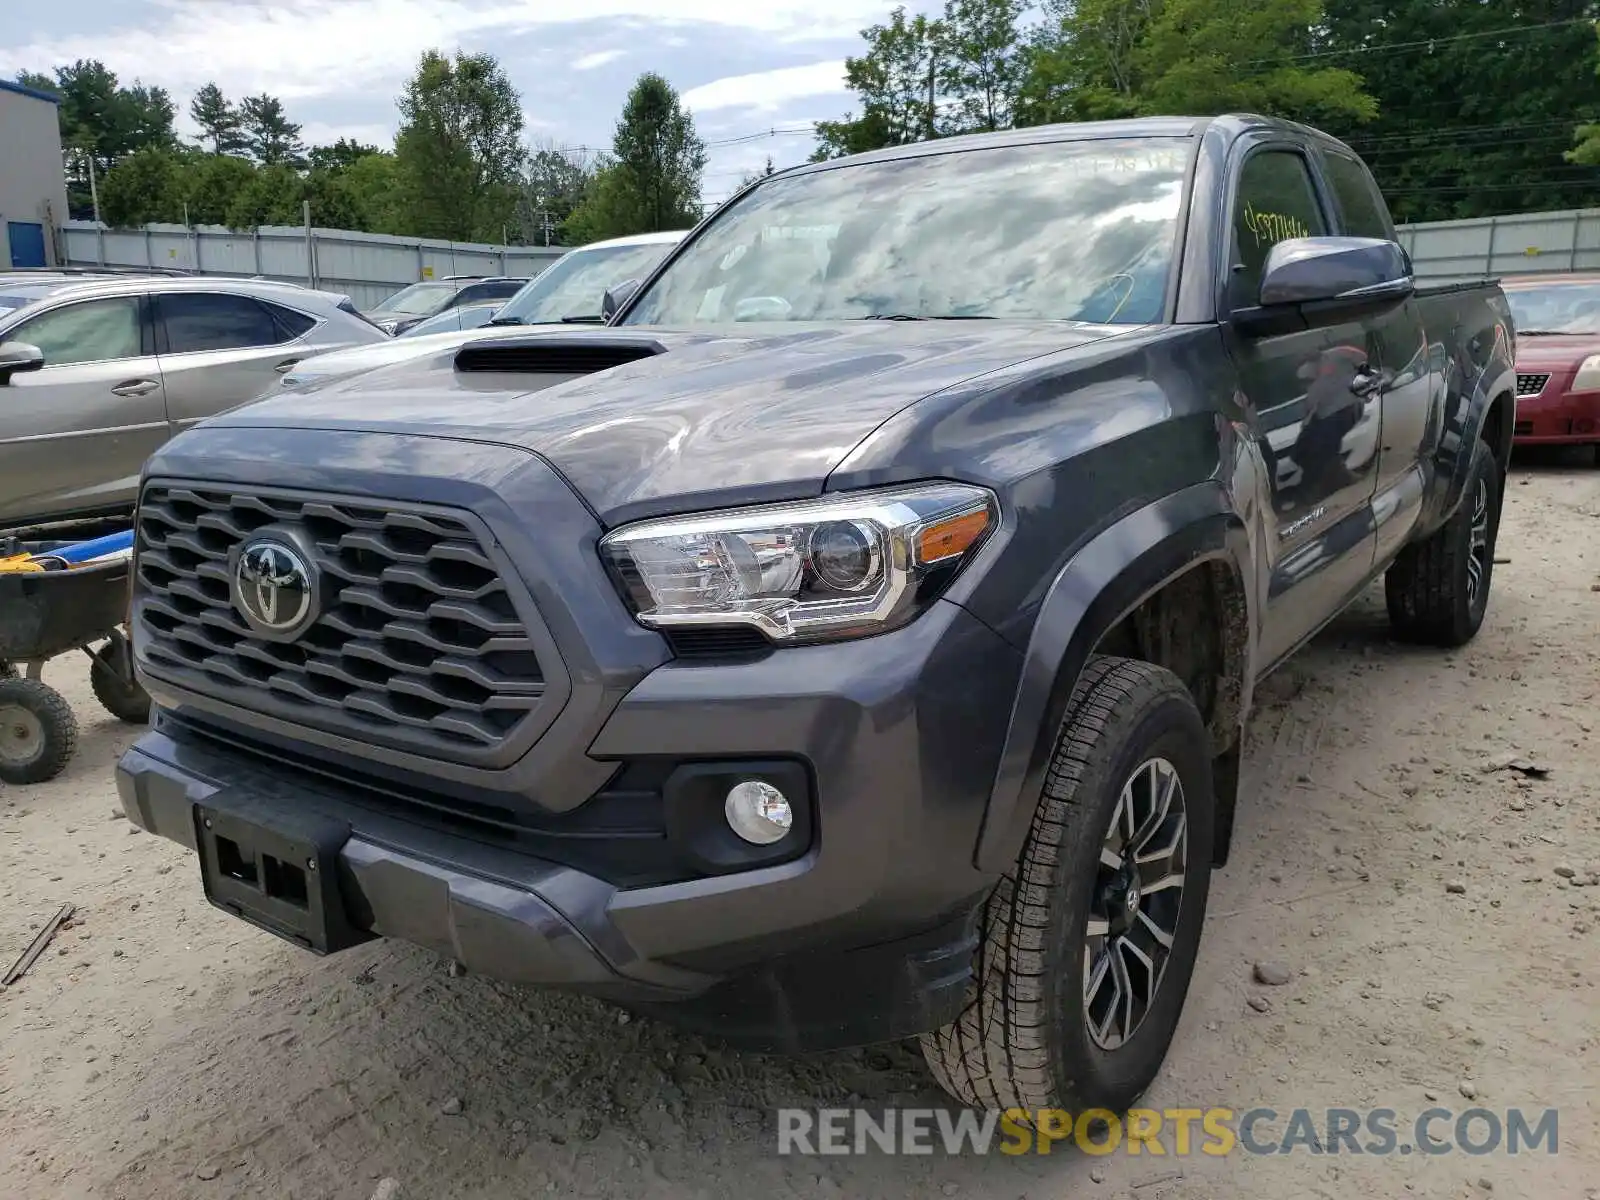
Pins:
x: 1365, y: 214
x: 215, y: 321
x: 503, y: 289
x: 1276, y: 201
x: 291, y: 324
x: 92, y: 331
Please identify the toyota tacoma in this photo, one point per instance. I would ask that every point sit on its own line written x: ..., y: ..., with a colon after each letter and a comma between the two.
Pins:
x: 851, y: 641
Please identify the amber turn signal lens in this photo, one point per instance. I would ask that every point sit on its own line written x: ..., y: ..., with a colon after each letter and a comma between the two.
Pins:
x: 947, y: 539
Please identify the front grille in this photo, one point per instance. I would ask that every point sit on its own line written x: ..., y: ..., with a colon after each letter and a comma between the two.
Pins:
x: 1531, y: 385
x: 418, y: 645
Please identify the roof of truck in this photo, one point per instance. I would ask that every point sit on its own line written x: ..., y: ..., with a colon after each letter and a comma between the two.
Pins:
x: 1079, y: 131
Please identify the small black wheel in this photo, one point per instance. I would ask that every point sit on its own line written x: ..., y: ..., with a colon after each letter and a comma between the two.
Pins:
x: 1437, y: 590
x: 118, y: 692
x: 38, y: 732
x: 1091, y: 939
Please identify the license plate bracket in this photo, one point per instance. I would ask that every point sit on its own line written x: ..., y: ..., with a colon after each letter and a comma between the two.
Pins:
x: 277, y: 869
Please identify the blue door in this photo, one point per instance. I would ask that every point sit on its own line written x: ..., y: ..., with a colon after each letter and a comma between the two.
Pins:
x: 27, y: 243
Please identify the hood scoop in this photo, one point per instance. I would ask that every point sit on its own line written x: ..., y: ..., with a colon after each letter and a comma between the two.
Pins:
x: 555, y: 356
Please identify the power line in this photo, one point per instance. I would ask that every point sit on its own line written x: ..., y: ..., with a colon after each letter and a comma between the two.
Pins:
x: 1422, y: 43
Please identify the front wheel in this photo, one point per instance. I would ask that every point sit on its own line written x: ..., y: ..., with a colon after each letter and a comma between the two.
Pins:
x: 1091, y: 939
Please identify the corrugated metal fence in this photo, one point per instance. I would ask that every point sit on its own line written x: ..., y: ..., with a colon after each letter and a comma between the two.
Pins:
x: 370, y: 266
x: 1521, y: 244
x: 365, y: 266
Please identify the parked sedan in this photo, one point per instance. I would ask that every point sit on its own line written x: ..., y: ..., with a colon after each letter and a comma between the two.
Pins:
x: 96, y: 374
x: 570, y: 291
x: 420, y: 301
x: 1558, y: 359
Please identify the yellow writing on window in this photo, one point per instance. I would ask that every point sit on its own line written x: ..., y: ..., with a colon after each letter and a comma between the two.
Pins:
x: 1270, y: 228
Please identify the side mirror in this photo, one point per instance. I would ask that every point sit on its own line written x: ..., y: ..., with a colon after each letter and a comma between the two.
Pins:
x: 1324, y: 280
x: 616, y: 296
x: 16, y: 357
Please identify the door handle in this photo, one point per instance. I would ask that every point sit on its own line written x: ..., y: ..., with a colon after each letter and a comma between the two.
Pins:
x: 135, y: 387
x: 1366, y: 381
x: 286, y: 366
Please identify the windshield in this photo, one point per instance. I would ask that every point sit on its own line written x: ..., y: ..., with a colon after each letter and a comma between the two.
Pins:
x: 577, y: 282
x: 1075, y: 231
x: 418, y: 300
x: 1556, y: 307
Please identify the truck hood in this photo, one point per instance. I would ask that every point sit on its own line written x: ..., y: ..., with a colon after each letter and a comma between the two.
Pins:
x: 767, y: 412
x: 323, y: 369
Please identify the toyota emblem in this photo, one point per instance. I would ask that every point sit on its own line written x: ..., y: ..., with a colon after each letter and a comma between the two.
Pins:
x: 273, y: 588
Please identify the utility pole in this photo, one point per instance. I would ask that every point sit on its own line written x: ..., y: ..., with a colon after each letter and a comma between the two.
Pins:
x: 94, y: 197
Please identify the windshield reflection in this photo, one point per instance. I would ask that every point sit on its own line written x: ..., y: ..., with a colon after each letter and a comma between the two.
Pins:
x: 575, y: 285
x: 1078, y: 231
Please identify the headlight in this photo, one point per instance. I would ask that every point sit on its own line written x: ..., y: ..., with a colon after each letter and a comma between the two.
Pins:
x: 1588, y: 377
x: 842, y: 566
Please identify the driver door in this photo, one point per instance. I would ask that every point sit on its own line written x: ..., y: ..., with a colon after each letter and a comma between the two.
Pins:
x: 1311, y: 395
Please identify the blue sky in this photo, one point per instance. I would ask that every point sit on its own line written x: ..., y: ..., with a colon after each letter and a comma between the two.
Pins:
x: 743, y: 66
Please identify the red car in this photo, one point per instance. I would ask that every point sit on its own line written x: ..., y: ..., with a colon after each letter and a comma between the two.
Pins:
x: 1558, y: 359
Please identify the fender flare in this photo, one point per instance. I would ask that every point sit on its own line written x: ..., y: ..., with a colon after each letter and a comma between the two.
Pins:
x: 1106, y: 579
x: 1455, y: 453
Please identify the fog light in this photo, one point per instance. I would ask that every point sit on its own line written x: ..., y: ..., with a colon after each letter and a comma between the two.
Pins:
x: 758, y: 812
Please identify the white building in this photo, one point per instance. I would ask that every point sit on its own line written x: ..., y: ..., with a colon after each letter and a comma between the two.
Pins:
x: 33, y: 189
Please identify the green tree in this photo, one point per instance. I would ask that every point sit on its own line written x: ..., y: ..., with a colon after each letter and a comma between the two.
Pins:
x: 340, y: 156
x: 898, y: 81
x: 556, y: 181
x: 365, y: 195
x: 221, y: 126
x: 1200, y: 57
x: 210, y: 184
x: 275, y: 195
x: 984, y: 63
x: 460, y: 147
x: 103, y: 121
x: 1476, y: 102
x: 652, y: 180
x: 269, y: 135
x: 143, y: 187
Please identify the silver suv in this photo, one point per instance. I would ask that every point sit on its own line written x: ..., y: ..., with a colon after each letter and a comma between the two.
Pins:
x: 97, y: 372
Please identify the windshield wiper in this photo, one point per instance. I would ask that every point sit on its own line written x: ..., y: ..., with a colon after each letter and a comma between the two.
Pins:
x: 1546, y: 333
x: 934, y: 317
x: 505, y: 320
x: 584, y: 319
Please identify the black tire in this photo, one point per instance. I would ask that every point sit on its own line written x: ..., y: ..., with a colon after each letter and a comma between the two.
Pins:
x: 1023, y: 1041
x: 38, y: 732
x: 123, y: 698
x: 1437, y: 590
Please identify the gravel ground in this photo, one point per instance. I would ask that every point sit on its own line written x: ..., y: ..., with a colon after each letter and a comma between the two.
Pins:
x: 1435, y: 909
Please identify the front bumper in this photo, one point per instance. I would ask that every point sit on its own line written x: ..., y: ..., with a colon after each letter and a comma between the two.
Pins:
x: 1557, y: 418
x: 867, y: 936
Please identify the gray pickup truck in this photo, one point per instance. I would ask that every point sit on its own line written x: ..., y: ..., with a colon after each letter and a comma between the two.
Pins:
x: 853, y: 640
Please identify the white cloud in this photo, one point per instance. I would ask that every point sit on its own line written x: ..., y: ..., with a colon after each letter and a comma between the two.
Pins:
x: 298, y: 49
x: 598, y: 59
x: 768, y: 90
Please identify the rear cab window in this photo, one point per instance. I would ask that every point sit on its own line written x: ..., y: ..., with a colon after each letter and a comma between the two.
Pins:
x: 1276, y: 201
x: 1361, y: 206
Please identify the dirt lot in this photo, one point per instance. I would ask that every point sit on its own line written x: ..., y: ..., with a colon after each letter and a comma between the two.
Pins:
x: 1424, y: 904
